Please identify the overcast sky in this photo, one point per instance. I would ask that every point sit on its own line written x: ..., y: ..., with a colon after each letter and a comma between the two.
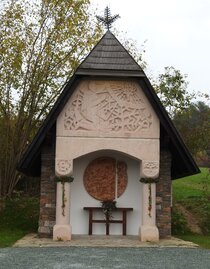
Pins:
x: 177, y: 34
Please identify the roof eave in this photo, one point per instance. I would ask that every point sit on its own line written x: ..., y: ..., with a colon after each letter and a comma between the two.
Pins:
x: 33, y: 149
x: 108, y: 72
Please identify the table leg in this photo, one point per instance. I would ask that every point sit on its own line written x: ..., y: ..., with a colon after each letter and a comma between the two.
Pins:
x: 124, y: 222
x: 90, y: 221
x: 107, y: 225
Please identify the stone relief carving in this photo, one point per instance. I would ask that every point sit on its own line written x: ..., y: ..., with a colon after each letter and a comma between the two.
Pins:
x: 103, y: 175
x: 63, y: 167
x: 114, y: 106
x: 150, y: 169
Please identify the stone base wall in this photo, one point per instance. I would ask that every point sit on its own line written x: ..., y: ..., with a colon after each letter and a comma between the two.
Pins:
x: 47, y: 192
x: 163, y: 196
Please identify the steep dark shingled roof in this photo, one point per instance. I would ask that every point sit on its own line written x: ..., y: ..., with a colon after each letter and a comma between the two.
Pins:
x: 110, y: 59
x: 109, y: 56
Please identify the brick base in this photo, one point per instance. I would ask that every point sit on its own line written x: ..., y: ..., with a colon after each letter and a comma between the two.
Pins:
x: 47, y: 193
x: 163, y: 196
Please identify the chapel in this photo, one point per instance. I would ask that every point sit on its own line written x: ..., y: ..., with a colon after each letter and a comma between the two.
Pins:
x: 107, y: 153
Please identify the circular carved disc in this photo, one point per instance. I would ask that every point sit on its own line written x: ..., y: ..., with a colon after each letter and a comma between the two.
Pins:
x: 100, y: 178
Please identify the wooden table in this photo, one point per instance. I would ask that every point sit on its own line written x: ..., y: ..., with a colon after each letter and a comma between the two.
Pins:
x: 107, y: 220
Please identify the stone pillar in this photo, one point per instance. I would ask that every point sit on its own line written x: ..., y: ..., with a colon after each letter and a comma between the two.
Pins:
x: 149, y: 172
x: 62, y: 228
x: 148, y: 230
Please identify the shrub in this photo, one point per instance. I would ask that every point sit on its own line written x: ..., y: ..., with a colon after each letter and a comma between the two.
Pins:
x: 20, y: 213
x: 178, y: 223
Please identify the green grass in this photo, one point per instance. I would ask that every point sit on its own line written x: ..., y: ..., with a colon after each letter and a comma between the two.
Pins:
x: 191, y: 187
x: 18, y: 217
x: 193, y: 193
x: 201, y: 240
x: 9, y: 237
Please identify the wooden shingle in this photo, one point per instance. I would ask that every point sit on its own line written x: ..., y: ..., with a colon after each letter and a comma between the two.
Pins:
x: 110, y: 55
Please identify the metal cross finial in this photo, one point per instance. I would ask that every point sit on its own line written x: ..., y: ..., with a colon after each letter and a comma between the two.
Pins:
x: 107, y: 20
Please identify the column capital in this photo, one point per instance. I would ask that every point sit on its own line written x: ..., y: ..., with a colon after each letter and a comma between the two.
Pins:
x: 63, y: 167
x: 149, y: 169
x: 149, y: 180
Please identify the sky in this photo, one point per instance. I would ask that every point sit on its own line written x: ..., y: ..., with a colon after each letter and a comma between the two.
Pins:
x: 177, y: 33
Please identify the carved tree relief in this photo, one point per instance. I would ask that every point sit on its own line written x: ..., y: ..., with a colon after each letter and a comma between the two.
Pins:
x: 114, y: 106
x: 105, y: 178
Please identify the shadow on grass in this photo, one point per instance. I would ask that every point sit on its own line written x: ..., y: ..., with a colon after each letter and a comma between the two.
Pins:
x: 9, y: 237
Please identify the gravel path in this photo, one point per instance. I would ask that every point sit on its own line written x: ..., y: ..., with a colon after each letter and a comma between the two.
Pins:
x: 95, y: 258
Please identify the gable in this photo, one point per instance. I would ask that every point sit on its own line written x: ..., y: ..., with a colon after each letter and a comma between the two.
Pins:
x: 108, y: 108
x: 102, y: 64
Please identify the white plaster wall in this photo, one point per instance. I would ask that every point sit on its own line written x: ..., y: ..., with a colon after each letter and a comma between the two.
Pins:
x: 130, y: 198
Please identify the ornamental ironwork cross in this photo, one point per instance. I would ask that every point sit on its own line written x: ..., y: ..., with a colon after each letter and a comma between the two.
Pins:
x: 107, y: 20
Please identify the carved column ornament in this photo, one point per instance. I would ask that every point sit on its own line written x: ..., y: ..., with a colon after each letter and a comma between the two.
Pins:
x: 150, y: 169
x: 63, y: 168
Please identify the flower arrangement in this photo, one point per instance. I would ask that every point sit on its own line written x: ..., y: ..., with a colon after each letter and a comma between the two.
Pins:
x: 64, y: 179
x: 108, y: 206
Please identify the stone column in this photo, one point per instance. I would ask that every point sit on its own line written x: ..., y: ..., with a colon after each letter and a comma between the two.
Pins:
x: 149, y: 173
x: 148, y: 230
x: 62, y: 228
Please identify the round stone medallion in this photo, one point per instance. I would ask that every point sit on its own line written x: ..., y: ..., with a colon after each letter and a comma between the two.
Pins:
x: 105, y: 178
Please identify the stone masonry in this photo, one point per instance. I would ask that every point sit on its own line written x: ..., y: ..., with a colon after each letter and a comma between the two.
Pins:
x: 163, y: 196
x: 47, y: 192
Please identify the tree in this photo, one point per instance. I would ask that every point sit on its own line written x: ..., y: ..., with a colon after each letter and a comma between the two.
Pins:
x: 171, y: 87
x: 41, y: 44
x: 194, y: 126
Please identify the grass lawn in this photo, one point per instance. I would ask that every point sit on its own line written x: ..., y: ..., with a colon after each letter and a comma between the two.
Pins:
x: 202, y: 240
x: 192, y: 186
x: 18, y: 217
x: 193, y: 193
x: 9, y: 237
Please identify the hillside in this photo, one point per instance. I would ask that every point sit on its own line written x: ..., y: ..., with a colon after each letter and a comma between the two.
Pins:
x: 191, y: 205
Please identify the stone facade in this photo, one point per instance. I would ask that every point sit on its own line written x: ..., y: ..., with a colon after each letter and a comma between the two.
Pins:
x: 47, y: 192
x: 163, y: 195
